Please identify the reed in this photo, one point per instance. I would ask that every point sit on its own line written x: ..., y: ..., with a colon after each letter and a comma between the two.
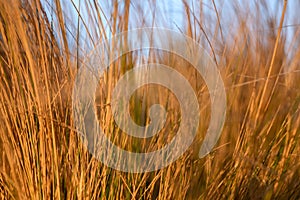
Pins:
x: 257, y: 52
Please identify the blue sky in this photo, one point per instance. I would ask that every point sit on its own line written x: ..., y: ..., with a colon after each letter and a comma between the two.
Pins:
x: 170, y: 13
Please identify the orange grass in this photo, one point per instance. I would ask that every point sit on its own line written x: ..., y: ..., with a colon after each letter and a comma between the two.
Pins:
x: 257, y: 156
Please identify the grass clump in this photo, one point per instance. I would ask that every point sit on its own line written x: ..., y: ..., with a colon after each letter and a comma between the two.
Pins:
x: 257, y: 52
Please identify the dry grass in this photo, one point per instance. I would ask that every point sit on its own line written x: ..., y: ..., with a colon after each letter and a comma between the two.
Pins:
x: 257, y: 156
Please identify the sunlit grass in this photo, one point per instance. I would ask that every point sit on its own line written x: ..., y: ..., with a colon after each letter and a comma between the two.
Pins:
x: 42, y: 157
